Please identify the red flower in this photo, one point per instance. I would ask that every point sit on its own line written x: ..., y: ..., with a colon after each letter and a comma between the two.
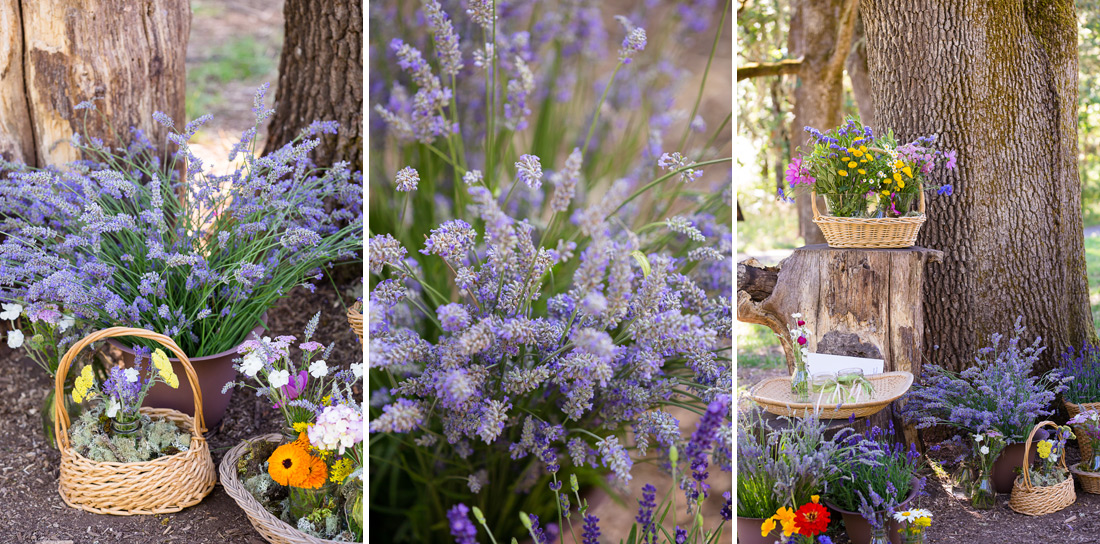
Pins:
x: 802, y: 340
x: 812, y: 519
x: 801, y: 323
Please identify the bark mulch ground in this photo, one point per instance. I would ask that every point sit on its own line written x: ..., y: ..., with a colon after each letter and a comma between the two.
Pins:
x: 31, y: 510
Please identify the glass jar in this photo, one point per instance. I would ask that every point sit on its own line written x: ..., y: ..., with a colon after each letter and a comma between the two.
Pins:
x: 983, y: 496
x: 800, y: 382
x: 916, y: 537
x: 878, y: 535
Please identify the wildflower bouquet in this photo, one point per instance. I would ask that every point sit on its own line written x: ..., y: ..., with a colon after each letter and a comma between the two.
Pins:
x: 986, y: 447
x: 801, y: 526
x: 1051, y: 447
x: 916, y: 521
x: 864, y: 175
x: 878, y: 475
x: 318, y: 470
x: 1083, y: 366
x: 998, y: 392
x: 120, y: 238
x: 114, y: 430
x: 800, y: 380
x: 1086, y: 426
x: 550, y: 270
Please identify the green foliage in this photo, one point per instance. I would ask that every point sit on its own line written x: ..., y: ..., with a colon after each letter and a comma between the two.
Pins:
x: 758, y: 347
x: 92, y: 437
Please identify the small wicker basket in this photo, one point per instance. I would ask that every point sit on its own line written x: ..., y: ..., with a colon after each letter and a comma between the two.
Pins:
x: 355, y: 318
x: 774, y: 395
x: 1030, y: 500
x: 1074, y: 409
x: 869, y: 232
x: 273, y: 529
x: 160, y: 486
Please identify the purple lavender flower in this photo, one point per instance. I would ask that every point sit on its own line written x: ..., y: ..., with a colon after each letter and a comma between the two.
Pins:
x: 446, y: 40
x: 591, y: 532
x: 681, y: 535
x: 645, y: 513
x: 407, y: 179
x: 529, y: 171
x: 633, y: 43
x: 453, y: 317
x: 461, y: 527
x: 676, y: 161
x: 452, y: 240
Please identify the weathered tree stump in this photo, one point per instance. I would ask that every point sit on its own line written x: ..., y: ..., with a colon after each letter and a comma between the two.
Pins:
x: 856, y: 302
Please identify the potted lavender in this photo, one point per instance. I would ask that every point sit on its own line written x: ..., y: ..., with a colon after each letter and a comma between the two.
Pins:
x: 122, y: 239
x: 1083, y: 392
x: 999, y: 392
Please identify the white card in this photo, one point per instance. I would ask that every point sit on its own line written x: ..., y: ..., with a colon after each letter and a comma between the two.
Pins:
x: 822, y: 363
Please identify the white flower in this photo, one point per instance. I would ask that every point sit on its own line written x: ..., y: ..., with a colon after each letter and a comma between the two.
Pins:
x: 11, y: 311
x: 112, y: 407
x: 67, y: 321
x: 318, y: 368
x: 131, y: 375
x: 15, y: 339
x: 799, y: 314
x: 978, y: 437
x: 985, y: 450
x: 922, y: 513
x: 907, y: 515
x: 252, y: 364
x: 278, y: 378
x: 357, y: 369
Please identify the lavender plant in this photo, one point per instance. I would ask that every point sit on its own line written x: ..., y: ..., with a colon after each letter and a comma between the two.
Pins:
x: 129, y: 237
x: 1084, y: 367
x: 877, y: 474
x: 999, y: 392
x: 550, y: 268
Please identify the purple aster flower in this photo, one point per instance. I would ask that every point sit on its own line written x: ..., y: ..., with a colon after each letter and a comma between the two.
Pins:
x: 461, y: 527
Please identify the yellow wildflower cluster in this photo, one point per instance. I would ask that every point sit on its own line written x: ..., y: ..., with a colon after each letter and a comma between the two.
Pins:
x: 301, y: 427
x: 1044, y: 448
x: 164, y: 367
x: 84, y: 382
x: 898, y: 167
x: 340, y: 470
x: 856, y: 158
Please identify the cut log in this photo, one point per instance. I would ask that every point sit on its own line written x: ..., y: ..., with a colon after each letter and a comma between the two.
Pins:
x: 856, y: 302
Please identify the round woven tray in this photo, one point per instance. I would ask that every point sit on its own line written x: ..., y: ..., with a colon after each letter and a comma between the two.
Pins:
x: 774, y: 395
x: 869, y: 232
x: 160, y: 486
x: 1038, y: 501
x: 355, y: 318
x: 1083, y: 445
x: 273, y: 529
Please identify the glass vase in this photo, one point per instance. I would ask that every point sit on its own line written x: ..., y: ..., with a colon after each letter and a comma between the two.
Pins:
x: 983, y: 496
x: 914, y: 537
x: 125, y: 426
x: 878, y: 535
x: 800, y: 382
x: 964, y: 480
x: 1094, y: 464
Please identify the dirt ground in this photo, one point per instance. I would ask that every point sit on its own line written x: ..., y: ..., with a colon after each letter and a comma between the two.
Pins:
x: 31, y: 510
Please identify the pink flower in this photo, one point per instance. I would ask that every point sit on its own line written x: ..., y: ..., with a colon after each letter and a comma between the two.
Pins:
x: 296, y: 387
x: 802, y: 340
x: 794, y: 171
x: 801, y: 323
x: 310, y: 346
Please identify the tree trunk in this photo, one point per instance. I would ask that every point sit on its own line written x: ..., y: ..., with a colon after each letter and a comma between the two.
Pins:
x: 997, y: 83
x: 321, y: 78
x: 54, y: 55
x: 821, y: 33
x: 856, y: 302
x: 861, y: 77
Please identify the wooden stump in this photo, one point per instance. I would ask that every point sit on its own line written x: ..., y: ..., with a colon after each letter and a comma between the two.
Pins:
x: 856, y: 302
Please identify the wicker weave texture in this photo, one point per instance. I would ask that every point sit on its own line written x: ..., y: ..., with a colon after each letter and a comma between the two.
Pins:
x: 774, y: 395
x: 1082, y: 444
x: 1030, y: 500
x: 355, y: 318
x: 160, y: 486
x: 869, y: 232
x: 273, y: 529
x: 1090, y: 481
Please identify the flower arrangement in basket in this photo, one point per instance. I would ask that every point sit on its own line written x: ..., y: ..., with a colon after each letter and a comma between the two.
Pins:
x: 1047, y: 488
x: 873, y: 187
x: 306, y: 484
x: 1083, y: 392
x: 120, y: 459
x: 1086, y: 426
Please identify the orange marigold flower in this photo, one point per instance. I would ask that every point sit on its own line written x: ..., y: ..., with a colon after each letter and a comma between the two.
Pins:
x: 302, y: 441
x: 318, y: 474
x: 289, y: 465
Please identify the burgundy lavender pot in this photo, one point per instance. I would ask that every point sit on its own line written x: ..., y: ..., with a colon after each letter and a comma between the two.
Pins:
x: 1007, y: 465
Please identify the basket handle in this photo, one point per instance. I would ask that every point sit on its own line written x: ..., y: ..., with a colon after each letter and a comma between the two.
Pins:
x: 61, y: 416
x: 1027, y: 451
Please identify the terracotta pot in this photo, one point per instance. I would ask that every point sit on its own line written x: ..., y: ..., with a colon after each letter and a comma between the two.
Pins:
x: 213, y: 371
x: 748, y: 532
x: 1006, y: 466
x: 859, y: 530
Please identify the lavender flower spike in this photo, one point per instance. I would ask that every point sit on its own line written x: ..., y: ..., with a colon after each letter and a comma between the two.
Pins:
x: 529, y: 171
x: 462, y: 528
x: 407, y: 178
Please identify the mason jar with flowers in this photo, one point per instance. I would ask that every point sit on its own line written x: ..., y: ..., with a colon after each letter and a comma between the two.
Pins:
x: 800, y: 379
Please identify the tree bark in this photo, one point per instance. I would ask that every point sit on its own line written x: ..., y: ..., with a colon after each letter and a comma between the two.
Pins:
x: 321, y: 78
x: 821, y: 33
x: 861, y: 77
x: 997, y: 83
x: 856, y: 302
x: 54, y: 55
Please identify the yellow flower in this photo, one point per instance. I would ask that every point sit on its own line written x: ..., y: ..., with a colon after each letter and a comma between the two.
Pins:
x: 864, y: 160
x: 843, y: 173
x: 862, y: 171
x: 923, y: 522
x: 898, y: 165
x: 786, y: 519
x: 169, y: 376
x: 857, y: 153
x: 908, y: 171
x: 768, y: 526
x: 815, y: 498
x: 901, y: 184
x: 301, y: 426
x: 862, y: 148
x: 1044, y: 448
x: 160, y: 360
x: 850, y: 150
x: 326, y: 400
x: 886, y: 192
x: 83, y: 383
x: 342, y: 468
x: 852, y: 164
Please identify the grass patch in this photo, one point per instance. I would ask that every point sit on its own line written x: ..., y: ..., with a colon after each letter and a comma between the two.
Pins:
x: 758, y: 347
x: 240, y: 59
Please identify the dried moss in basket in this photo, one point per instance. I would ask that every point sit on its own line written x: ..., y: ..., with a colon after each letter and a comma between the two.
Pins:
x: 93, y: 437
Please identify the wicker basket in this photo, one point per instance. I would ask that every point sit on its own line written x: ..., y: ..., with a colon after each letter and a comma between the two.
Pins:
x: 869, y: 232
x: 355, y: 318
x: 273, y: 529
x: 1074, y: 409
x: 160, y: 486
x: 774, y: 395
x: 1038, y: 501
x: 1090, y: 481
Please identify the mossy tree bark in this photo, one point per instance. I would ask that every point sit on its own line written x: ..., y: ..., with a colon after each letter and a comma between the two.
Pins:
x: 997, y: 82
x: 321, y: 78
x: 54, y: 55
x: 821, y: 33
